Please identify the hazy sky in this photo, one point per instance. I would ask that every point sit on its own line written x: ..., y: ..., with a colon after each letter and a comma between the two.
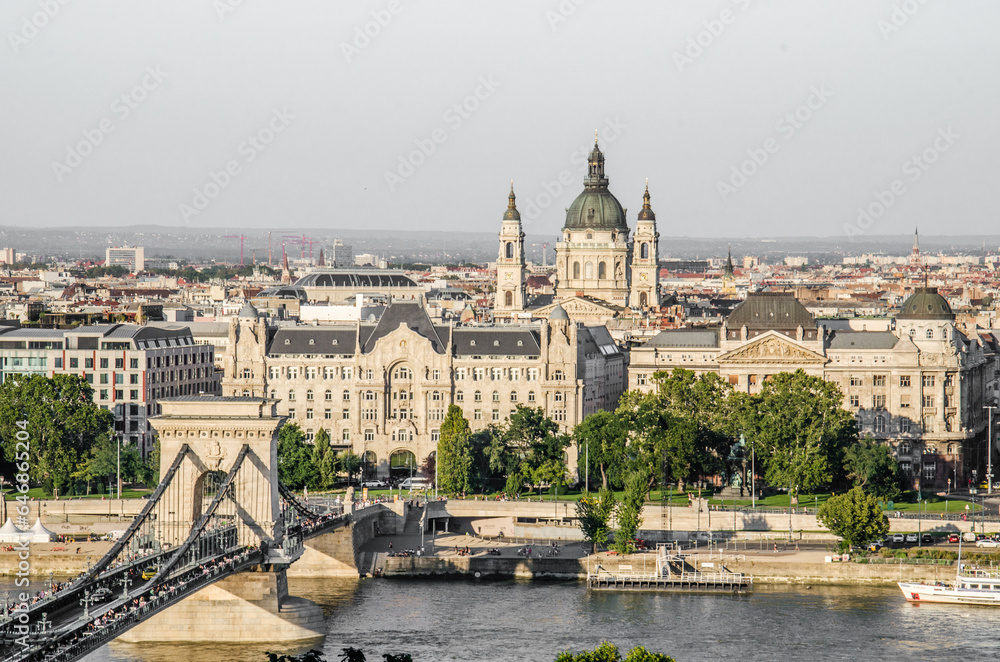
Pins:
x: 749, y: 117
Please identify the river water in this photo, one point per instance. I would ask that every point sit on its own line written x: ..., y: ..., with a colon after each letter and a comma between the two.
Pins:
x: 460, y: 620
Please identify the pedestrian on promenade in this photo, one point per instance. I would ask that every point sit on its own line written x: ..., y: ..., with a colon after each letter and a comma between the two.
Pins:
x: 775, y: 548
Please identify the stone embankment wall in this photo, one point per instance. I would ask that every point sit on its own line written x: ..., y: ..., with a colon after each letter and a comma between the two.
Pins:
x: 485, y: 566
x: 338, y: 553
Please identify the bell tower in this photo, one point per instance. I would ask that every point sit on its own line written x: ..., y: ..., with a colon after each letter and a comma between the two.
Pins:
x: 510, y: 263
x: 644, y: 291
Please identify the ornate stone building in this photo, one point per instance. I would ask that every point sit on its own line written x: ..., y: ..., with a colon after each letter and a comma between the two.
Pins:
x: 600, y: 269
x: 916, y: 382
x: 383, y: 389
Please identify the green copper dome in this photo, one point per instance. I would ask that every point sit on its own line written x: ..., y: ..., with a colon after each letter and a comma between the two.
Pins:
x: 926, y: 304
x: 596, y: 208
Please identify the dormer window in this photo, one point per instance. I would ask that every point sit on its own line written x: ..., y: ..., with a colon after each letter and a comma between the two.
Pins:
x: 312, y: 341
x: 472, y: 343
x: 335, y: 341
x: 520, y: 343
x: 288, y: 341
x: 496, y: 343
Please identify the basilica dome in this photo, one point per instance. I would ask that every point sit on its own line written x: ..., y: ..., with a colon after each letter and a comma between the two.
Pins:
x: 926, y: 304
x: 596, y: 208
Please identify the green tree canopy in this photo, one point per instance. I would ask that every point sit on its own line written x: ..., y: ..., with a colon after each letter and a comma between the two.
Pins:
x: 872, y: 466
x: 454, y: 453
x: 600, y: 439
x: 61, y: 421
x: 295, y: 466
x: 324, y: 462
x: 798, y: 429
x: 594, y: 513
x: 855, y: 516
x: 608, y: 652
x: 629, y: 511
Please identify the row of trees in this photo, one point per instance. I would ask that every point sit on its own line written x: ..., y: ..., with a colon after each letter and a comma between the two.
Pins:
x: 525, y: 450
x: 794, y: 433
x: 70, y: 440
x: 316, y: 466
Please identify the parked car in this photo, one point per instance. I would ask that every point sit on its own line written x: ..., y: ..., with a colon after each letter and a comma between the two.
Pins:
x: 953, y: 537
x: 987, y: 543
x: 927, y: 539
x: 898, y: 537
x: 875, y: 546
x: 374, y: 484
x: 415, y: 483
x: 912, y: 537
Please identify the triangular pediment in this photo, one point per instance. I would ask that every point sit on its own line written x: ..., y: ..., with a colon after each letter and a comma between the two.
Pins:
x: 577, y: 306
x: 772, y: 348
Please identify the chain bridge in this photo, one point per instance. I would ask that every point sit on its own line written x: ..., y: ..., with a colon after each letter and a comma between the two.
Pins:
x: 219, y: 525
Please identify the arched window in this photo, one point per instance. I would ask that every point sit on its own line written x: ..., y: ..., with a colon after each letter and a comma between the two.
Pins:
x: 510, y: 250
x: 903, y: 448
x: 369, y: 395
x: 531, y: 396
x: 576, y: 270
x: 644, y: 251
x: 328, y: 396
x: 508, y: 298
x: 496, y: 396
x: 879, y: 424
x: 602, y: 270
x: 643, y: 300
x: 513, y: 396
x: 309, y: 395
x: 588, y: 270
x: 930, y: 333
x: 347, y: 395
x: 477, y: 396
x: 291, y: 395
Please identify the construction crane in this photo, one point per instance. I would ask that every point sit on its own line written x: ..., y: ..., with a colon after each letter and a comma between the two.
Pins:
x: 242, y: 238
x: 301, y: 241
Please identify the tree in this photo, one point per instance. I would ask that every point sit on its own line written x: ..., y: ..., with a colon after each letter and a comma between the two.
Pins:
x: 61, y: 421
x: 629, y: 511
x: 872, y: 467
x: 295, y: 467
x: 798, y: 429
x: 608, y: 652
x: 349, y: 462
x: 855, y: 516
x: 594, y: 514
x: 454, y: 453
x: 600, y: 439
x: 324, y: 461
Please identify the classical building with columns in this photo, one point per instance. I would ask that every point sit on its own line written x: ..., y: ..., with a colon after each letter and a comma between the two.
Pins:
x: 600, y: 269
x: 917, y: 382
x: 383, y: 389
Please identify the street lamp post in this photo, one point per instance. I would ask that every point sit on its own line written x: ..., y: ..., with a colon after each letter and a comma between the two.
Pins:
x: 119, y: 467
x: 586, y: 477
x: 989, y: 450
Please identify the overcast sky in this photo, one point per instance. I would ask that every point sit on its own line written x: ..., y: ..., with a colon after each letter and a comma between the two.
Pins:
x: 750, y: 118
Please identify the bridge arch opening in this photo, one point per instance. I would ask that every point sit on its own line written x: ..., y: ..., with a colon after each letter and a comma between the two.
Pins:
x: 206, y: 488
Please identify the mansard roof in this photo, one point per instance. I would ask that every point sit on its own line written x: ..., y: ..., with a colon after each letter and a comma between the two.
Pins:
x: 771, y: 310
x: 862, y: 340
x: 495, y: 341
x: 411, y: 314
x: 685, y: 338
x: 314, y: 340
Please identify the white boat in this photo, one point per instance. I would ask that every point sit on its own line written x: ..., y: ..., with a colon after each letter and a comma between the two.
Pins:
x: 970, y: 587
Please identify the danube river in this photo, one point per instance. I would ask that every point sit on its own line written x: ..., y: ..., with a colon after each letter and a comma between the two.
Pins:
x: 509, y: 620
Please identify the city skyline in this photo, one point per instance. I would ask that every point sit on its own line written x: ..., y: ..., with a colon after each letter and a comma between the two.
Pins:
x: 854, y: 121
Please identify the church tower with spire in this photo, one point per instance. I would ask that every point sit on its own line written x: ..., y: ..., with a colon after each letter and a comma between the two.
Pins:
x: 510, y: 263
x: 644, y: 292
x: 915, y: 253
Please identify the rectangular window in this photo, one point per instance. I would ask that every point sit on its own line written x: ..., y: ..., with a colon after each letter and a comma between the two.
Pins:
x: 435, y: 375
x: 119, y: 394
x: 309, y: 413
x: 119, y: 364
x: 88, y: 363
x: 293, y: 372
x: 369, y: 435
x: 855, y: 381
x: 477, y: 415
x: 133, y: 378
x: 497, y: 374
x: 904, y: 424
x: 480, y: 374
x: 531, y: 396
x: 930, y: 469
x: 104, y: 363
x: 878, y: 401
x: 348, y: 372
x: 346, y: 435
x: 928, y: 400
x: 855, y: 401
x: 496, y: 414
x: 459, y: 396
x: 134, y: 364
x: 435, y: 435
x: 904, y: 401
x: 928, y: 380
x: 103, y: 378
x: 274, y: 372
x: 878, y: 380
x: 345, y: 415
x: 74, y: 363
x: 291, y: 412
x: 311, y: 372
x: 752, y: 380
x: 133, y: 394
x: 103, y: 394
x: 904, y: 381
x: 459, y: 373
